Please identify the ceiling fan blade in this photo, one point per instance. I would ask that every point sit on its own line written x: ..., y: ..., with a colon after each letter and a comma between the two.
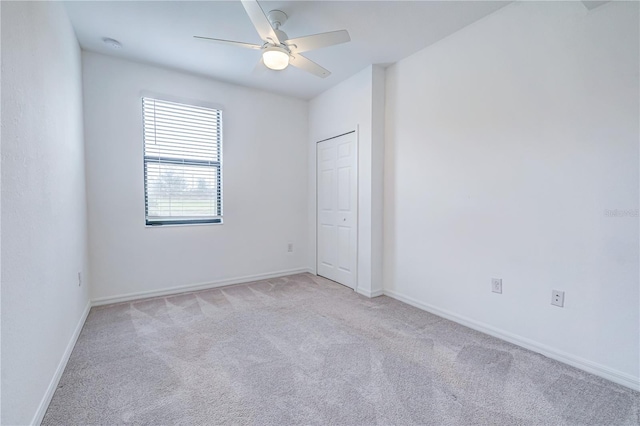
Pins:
x: 312, y: 42
x: 260, y: 21
x: 260, y: 68
x: 308, y: 65
x: 231, y: 43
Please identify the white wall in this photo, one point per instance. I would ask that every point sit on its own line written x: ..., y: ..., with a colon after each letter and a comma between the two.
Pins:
x: 354, y: 104
x: 265, y: 184
x: 505, y: 144
x: 43, y: 203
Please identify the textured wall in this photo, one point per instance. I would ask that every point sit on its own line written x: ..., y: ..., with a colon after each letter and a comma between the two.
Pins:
x: 507, y: 144
x: 43, y: 201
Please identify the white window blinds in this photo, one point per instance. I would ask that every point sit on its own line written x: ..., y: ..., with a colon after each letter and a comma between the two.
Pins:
x: 182, y: 163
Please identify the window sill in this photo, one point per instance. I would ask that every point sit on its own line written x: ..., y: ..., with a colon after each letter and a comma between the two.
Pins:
x: 174, y: 225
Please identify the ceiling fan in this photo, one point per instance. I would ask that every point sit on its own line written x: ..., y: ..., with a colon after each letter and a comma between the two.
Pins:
x: 278, y: 50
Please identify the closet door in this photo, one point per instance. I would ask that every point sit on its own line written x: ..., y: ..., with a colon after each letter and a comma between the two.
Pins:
x: 337, y: 209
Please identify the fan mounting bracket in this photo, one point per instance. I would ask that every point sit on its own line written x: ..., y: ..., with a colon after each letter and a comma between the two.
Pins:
x: 277, y: 18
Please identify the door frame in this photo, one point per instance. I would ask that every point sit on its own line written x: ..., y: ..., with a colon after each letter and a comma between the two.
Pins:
x: 357, y: 147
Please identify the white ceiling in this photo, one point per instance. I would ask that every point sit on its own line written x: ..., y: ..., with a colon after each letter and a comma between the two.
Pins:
x: 161, y: 32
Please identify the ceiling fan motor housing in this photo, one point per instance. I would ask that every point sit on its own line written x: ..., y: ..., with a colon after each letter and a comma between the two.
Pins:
x: 282, y: 36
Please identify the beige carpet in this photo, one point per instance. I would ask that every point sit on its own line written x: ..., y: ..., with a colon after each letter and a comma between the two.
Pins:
x: 304, y: 350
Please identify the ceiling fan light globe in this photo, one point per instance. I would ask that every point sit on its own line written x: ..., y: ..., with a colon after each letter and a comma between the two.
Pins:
x: 275, y: 58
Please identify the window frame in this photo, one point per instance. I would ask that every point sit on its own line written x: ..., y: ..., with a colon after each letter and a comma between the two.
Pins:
x: 218, y: 220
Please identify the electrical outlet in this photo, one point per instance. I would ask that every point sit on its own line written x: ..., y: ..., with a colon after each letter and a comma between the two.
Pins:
x: 557, y: 298
x: 290, y: 248
x: 79, y: 279
x: 496, y: 285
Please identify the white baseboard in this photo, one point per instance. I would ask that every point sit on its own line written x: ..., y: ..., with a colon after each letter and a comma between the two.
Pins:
x: 368, y: 293
x: 194, y: 287
x: 572, y: 360
x: 53, y: 385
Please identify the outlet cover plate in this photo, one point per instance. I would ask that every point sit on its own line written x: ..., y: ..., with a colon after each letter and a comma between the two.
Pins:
x: 557, y: 298
x: 496, y: 285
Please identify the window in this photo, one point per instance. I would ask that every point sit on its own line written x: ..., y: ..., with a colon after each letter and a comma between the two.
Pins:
x: 182, y: 163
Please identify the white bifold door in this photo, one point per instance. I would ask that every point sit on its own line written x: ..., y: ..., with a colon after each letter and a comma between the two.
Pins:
x: 337, y: 209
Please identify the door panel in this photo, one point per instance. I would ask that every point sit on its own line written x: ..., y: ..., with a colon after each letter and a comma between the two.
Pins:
x: 344, y: 249
x: 337, y: 173
x: 325, y: 202
x: 328, y: 234
x: 344, y: 189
